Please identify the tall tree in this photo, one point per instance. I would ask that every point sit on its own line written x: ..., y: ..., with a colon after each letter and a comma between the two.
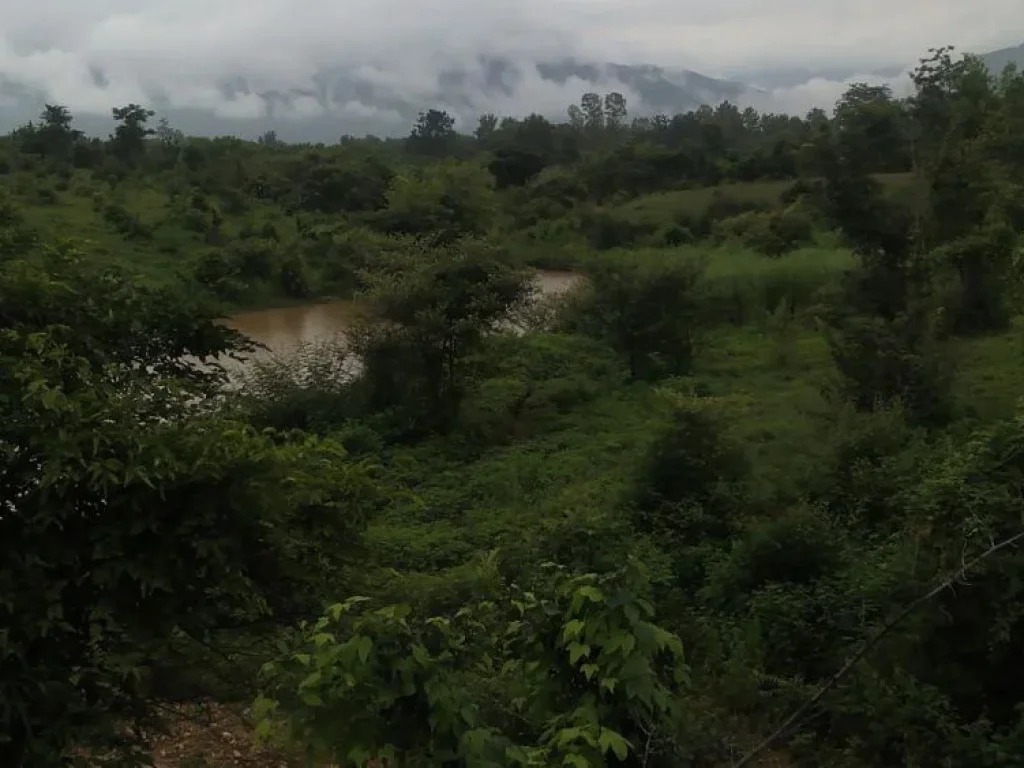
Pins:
x: 486, y: 127
x: 593, y: 112
x: 433, y: 134
x: 129, y: 139
x: 615, y: 110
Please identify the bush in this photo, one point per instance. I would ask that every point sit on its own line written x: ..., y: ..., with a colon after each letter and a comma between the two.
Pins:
x: 646, y: 308
x: 532, y: 382
x: 126, y: 222
x: 689, y: 490
x: 772, y: 234
x: 309, y: 389
x: 606, y: 230
x: 885, y: 362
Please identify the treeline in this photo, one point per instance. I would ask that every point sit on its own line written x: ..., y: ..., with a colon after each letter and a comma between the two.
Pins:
x: 251, y: 220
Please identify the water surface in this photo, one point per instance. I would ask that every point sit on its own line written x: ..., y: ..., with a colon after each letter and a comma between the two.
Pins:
x: 285, y: 328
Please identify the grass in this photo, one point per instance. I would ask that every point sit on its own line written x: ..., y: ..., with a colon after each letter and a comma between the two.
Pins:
x: 562, y: 492
x: 989, y: 372
x: 662, y: 207
x: 169, y: 250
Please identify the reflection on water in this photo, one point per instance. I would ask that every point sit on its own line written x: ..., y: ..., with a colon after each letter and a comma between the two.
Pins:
x: 284, y: 329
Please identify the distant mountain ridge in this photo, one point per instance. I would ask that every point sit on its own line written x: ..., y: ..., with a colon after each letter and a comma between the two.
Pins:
x: 997, y: 61
x: 495, y: 83
x: 374, y: 98
x: 362, y: 101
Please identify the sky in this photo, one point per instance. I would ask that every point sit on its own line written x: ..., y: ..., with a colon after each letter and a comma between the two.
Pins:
x: 92, y: 54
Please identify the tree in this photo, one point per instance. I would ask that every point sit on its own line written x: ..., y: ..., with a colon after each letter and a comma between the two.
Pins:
x: 134, y: 519
x: 129, y: 139
x: 56, y: 134
x: 577, y: 120
x: 872, y: 128
x: 433, y: 134
x: 615, y: 110
x: 168, y: 134
x: 514, y: 167
x: 486, y: 127
x: 440, y: 204
x: 593, y: 113
x: 345, y: 184
x: 54, y: 138
x: 429, y: 315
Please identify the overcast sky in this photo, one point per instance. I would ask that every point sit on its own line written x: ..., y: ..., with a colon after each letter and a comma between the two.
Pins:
x: 183, y: 47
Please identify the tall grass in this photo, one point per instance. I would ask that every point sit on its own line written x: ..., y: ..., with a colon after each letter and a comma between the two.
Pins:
x: 663, y: 207
x: 742, y: 286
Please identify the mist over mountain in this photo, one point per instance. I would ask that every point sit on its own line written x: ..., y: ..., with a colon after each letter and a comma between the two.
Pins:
x: 998, y: 60
x: 379, y: 98
x: 365, y: 100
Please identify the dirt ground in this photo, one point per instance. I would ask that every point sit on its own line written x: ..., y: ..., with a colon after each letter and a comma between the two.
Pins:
x: 212, y: 736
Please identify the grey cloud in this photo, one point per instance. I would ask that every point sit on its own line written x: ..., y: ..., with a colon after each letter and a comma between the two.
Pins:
x: 364, y: 62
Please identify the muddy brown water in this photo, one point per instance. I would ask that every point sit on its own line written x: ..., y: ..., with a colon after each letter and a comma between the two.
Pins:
x: 284, y: 329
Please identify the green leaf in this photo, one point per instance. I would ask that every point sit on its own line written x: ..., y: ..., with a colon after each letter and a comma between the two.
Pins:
x: 591, y: 593
x: 572, y: 629
x: 610, y: 740
x: 576, y: 760
x: 577, y: 651
x: 363, y: 647
x: 421, y: 655
x: 313, y: 678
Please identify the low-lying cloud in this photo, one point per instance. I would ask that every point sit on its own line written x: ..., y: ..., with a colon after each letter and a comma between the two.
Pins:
x: 360, y: 62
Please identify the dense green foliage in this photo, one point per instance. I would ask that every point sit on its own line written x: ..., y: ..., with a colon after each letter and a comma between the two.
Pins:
x: 639, y: 524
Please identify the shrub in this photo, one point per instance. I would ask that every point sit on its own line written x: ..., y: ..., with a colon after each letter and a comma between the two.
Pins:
x: 646, y: 308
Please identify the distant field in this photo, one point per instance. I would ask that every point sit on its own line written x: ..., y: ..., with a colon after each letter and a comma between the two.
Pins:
x: 76, y: 210
x: 167, y: 247
x: 662, y: 206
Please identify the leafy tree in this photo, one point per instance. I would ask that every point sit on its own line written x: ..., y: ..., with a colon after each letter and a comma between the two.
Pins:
x: 428, y: 318
x: 129, y: 139
x: 486, y: 127
x: 345, y: 185
x: 615, y: 110
x: 577, y: 119
x: 871, y: 126
x: 514, y: 168
x: 131, y: 513
x: 433, y: 134
x: 593, y: 112
x: 55, y: 138
x: 441, y: 204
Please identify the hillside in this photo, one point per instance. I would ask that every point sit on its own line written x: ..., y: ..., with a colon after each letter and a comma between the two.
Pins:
x: 998, y: 60
x: 760, y: 464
